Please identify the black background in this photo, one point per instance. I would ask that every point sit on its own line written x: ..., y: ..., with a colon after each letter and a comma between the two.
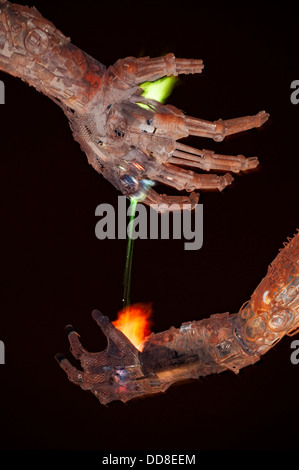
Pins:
x: 54, y: 270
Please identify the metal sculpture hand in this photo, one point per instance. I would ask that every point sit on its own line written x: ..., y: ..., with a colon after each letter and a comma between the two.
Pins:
x: 130, y: 139
x: 223, y: 341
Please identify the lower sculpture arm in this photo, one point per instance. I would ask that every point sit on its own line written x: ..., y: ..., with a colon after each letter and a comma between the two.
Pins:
x: 198, y: 348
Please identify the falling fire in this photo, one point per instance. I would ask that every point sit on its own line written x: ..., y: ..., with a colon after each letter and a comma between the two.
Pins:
x: 134, y: 322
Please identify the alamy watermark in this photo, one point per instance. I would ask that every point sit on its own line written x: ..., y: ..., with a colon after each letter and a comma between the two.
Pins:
x: 295, y: 94
x: 295, y: 354
x: 2, y: 93
x: 146, y: 225
x: 2, y: 353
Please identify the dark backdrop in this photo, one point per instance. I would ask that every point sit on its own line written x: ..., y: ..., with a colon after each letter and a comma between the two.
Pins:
x: 54, y: 271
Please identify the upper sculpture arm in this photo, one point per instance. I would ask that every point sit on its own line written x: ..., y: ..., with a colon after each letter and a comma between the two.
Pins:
x: 33, y: 49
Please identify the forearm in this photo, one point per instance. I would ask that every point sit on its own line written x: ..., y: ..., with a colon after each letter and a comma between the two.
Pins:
x: 32, y: 49
x: 232, y: 341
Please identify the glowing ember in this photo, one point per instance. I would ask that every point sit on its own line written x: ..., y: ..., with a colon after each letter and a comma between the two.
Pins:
x: 134, y: 322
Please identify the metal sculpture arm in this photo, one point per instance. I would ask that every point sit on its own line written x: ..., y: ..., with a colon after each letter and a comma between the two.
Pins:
x: 130, y: 139
x: 38, y: 53
x: 198, y: 348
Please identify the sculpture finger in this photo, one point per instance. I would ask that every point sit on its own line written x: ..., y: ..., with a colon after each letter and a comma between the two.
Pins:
x: 209, y: 160
x: 217, y: 130
x: 131, y: 71
x: 75, y: 375
x: 188, y: 66
x: 112, y: 333
x: 76, y: 347
x: 163, y: 203
x: 180, y: 179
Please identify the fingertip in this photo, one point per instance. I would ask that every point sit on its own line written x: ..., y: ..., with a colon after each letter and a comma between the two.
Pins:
x: 69, y: 329
x: 97, y: 315
x: 59, y: 357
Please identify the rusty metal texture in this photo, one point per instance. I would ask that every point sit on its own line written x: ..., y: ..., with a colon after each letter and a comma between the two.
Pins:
x: 129, y: 139
x: 198, y: 348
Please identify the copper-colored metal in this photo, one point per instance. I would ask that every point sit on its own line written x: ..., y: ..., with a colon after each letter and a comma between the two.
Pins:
x: 125, y: 142
x: 198, y: 348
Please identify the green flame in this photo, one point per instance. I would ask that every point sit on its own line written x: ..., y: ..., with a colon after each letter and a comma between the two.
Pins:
x: 159, y: 90
x: 129, y: 256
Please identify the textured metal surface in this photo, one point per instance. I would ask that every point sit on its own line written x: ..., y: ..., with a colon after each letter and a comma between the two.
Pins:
x: 221, y: 342
x: 32, y: 49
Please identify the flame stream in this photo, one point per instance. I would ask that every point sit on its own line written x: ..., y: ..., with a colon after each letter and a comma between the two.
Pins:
x: 134, y: 322
x: 129, y: 256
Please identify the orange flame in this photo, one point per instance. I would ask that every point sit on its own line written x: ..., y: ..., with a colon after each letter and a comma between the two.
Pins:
x: 134, y: 322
